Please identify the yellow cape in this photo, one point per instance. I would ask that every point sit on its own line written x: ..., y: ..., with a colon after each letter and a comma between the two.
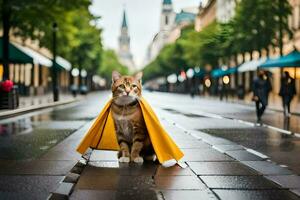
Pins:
x: 102, y: 135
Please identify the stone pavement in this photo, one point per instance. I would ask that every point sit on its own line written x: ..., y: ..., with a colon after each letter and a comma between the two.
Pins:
x: 26, y: 101
x: 35, y: 179
x: 215, y: 168
x: 38, y: 157
x: 37, y: 149
x: 32, y: 103
x: 275, y: 102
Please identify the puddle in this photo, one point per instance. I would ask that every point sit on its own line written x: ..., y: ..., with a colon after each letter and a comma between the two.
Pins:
x: 172, y: 110
x: 194, y: 115
x: 30, y: 135
x: 31, y: 145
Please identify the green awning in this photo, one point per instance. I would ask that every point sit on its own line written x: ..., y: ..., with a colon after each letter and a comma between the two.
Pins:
x: 15, y: 54
x: 216, y: 73
x: 290, y: 60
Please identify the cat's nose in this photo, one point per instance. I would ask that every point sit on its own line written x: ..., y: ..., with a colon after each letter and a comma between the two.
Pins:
x: 127, y: 91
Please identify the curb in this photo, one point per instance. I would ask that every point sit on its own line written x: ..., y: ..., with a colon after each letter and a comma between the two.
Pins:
x: 68, y: 183
x: 66, y: 186
x: 13, y: 113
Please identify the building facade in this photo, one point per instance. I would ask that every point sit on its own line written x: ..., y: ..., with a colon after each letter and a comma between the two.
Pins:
x: 222, y: 11
x: 210, y: 10
x: 33, y: 76
x: 206, y: 15
x: 225, y: 10
x: 124, y: 53
x: 171, y: 24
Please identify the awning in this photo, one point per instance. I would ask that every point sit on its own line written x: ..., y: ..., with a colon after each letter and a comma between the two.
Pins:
x: 23, y: 55
x: 251, y: 65
x: 290, y: 60
x: 221, y: 72
x: 63, y: 63
x: 15, y: 54
x: 44, y: 61
x: 37, y: 57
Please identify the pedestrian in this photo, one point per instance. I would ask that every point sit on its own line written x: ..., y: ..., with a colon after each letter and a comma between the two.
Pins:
x: 261, y: 89
x: 287, y: 92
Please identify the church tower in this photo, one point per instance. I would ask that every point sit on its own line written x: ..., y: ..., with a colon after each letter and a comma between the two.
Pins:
x: 124, y: 54
x: 168, y: 15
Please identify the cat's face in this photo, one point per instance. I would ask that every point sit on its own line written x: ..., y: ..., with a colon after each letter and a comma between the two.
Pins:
x: 126, y: 89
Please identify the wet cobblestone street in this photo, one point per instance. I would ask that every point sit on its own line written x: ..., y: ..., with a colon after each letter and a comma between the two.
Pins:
x: 224, y: 158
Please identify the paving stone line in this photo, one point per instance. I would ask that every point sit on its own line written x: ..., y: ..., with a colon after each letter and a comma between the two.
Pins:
x: 263, y: 158
x: 66, y: 188
x: 68, y: 183
x: 216, y: 116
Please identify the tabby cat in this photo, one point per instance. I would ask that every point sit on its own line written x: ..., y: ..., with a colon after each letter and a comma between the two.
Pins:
x: 130, y: 127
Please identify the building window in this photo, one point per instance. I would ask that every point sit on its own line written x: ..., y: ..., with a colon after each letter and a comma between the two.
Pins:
x: 167, y: 20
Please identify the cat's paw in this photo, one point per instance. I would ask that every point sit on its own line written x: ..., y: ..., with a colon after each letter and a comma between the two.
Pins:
x: 124, y: 159
x: 138, y: 160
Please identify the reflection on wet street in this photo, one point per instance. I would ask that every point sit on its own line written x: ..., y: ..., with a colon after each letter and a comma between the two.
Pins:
x: 222, y: 119
x: 37, y: 151
x: 281, y: 148
x: 29, y: 136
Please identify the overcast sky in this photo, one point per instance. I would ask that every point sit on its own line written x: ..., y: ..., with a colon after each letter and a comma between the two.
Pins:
x: 142, y: 17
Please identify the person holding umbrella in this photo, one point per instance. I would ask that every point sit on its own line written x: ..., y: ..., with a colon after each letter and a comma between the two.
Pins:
x: 287, y: 92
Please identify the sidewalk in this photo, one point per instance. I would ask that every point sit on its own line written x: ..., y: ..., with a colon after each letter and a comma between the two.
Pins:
x: 275, y: 102
x: 38, y: 150
x: 216, y: 168
x: 32, y: 103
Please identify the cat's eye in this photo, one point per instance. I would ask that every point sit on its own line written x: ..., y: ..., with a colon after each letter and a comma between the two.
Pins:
x: 134, y: 86
x: 122, y: 86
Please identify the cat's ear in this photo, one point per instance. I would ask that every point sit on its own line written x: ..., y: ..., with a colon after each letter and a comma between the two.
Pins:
x: 139, y: 76
x: 115, y: 76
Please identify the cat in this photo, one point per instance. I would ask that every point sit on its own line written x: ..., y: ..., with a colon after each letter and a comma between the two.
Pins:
x: 132, y: 135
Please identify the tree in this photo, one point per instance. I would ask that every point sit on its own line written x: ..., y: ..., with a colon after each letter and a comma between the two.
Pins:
x: 32, y: 19
x: 169, y: 60
x: 84, y: 47
x: 152, y: 70
x: 257, y: 25
x: 202, y: 48
x: 109, y: 63
x: 260, y: 23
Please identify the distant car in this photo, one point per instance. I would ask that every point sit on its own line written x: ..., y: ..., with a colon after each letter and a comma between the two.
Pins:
x: 83, y: 89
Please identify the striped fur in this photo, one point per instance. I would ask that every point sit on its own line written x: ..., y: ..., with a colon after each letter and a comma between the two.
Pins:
x: 131, y: 131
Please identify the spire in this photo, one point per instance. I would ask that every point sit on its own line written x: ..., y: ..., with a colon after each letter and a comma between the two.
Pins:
x: 167, y: 2
x: 124, y: 23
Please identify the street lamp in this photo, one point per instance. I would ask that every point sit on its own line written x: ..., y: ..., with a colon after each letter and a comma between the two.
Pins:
x: 226, y: 80
x: 197, y: 69
x: 172, y: 78
x: 190, y: 73
x: 207, y: 83
x: 180, y: 78
x: 83, y: 73
x: 55, y: 86
x: 75, y: 72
